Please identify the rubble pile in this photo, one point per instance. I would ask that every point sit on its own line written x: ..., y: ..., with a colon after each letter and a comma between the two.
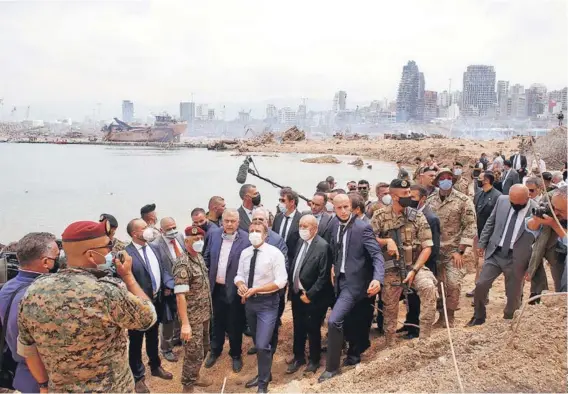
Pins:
x: 358, y: 162
x: 294, y: 134
x: 550, y: 147
x: 327, y: 159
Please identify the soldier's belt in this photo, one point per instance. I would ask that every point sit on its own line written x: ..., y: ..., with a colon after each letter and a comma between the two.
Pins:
x: 391, y: 264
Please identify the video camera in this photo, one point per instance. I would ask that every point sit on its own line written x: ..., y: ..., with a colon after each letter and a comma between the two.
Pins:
x: 9, y: 266
x: 541, y: 210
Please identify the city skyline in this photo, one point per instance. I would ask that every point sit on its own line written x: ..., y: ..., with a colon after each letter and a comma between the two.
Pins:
x: 67, y: 59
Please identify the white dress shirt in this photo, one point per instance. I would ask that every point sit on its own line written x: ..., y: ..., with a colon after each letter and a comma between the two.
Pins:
x: 520, y: 222
x: 171, y: 247
x: 154, y: 263
x: 305, y: 246
x: 269, y: 267
x: 226, y: 247
x: 248, y: 212
x: 281, y: 229
x: 342, y: 269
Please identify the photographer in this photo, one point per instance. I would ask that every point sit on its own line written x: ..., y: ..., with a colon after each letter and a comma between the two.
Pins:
x: 551, y: 238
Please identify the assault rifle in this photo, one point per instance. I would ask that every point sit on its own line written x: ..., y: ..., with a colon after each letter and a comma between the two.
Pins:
x: 400, y: 264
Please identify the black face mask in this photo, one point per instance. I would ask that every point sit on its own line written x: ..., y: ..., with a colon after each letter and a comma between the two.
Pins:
x: 256, y: 200
x: 479, y: 183
x: 55, y: 266
x: 343, y: 221
x: 405, y: 201
x: 414, y: 204
x: 205, y: 226
x: 518, y: 207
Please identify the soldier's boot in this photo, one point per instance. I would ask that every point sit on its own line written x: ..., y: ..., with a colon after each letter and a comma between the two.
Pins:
x: 187, y: 388
x: 203, y: 382
x: 389, y: 340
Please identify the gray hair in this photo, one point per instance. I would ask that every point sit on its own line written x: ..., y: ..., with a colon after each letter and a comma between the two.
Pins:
x: 244, y: 190
x: 561, y: 191
x: 166, y: 219
x: 33, y: 246
x: 534, y: 181
x: 230, y: 212
x: 556, y: 176
x: 262, y: 211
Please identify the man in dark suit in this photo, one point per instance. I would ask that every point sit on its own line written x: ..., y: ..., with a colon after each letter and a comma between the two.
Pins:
x: 171, y: 245
x: 318, y: 210
x: 308, y: 279
x: 251, y: 199
x: 286, y: 222
x: 510, y: 177
x: 519, y: 164
x: 508, y: 249
x: 148, y: 264
x: 357, y: 274
x: 222, y: 255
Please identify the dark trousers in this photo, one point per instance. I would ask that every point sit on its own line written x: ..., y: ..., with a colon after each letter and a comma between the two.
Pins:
x: 307, y: 325
x: 514, y: 273
x: 413, y: 312
x: 343, y: 305
x: 380, y: 306
x: 262, y: 314
x: 228, y: 317
x: 135, y: 351
x: 281, y: 306
x: 358, y: 326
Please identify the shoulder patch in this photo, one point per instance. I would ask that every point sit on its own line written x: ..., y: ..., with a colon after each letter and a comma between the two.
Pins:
x: 183, y: 274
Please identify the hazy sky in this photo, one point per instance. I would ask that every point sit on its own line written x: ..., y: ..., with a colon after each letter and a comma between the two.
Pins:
x: 63, y: 57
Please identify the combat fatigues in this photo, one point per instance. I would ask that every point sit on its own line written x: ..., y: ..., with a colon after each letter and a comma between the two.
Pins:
x: 462, y: 186
x: 414, y: 234
x: 457, y: 227
x: 118, y: 246
x: 77, y: 324
x: 191, y: 279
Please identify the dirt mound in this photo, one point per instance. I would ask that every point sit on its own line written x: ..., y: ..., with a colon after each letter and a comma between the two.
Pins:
x: 534, y: 362
x: 293, y: 134
x: 327, y: 159
x: 358, y: 162
x: 551, y: 147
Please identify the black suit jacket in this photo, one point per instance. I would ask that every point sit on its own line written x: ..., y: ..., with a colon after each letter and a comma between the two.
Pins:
x: 293, y: 232
x: 314, y: 272
x: 244, y: 221
x: 511, y: 179
x: 434, y: 223
x: 484, y: 208
x: 523, y: 161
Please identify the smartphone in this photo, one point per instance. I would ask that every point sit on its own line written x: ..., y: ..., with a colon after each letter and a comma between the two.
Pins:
x: 120, y: 257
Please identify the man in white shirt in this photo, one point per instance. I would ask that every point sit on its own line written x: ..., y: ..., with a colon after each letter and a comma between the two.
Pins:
x: 507, y: 249
x: 260, y: 276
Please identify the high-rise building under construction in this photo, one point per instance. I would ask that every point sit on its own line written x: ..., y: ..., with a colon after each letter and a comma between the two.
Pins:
x: 478, y: 90
x: 409, y: 101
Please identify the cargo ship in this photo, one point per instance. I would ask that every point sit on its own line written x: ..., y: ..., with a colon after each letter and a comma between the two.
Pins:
x: 164, y: 129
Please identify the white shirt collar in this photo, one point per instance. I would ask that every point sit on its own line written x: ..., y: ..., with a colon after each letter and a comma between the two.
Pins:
x: 291, y: 214
x: 138, y: 246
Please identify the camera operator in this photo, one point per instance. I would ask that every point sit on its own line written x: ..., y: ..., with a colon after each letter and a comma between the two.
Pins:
x: 551, y: 240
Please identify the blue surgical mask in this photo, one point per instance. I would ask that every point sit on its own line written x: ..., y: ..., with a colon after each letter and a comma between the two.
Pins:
x: 282, y: 208
x: 108, y: 262
x: 445, y: 185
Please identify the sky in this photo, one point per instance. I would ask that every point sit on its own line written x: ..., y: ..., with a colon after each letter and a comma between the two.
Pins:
x: 61, y: 58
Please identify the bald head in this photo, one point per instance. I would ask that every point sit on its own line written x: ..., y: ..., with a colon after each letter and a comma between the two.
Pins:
x: 342, y: 206
x: 167, y: 224
x: 519, y: 194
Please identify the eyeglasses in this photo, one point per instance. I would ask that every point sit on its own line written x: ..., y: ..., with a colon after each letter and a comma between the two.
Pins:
x: 532, y: 190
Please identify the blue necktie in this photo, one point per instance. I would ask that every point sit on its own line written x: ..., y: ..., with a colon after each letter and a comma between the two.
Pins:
x: 147, y: 261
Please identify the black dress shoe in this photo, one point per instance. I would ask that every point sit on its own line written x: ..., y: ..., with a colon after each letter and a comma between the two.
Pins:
x: 411, y: 334
x: 252, y: 350
x: 295, y: 366
x: 170, y: 356
x: 211, y: 360
x: 237, y: 365
x: 162, y: 373
x: 507, y: 316
x: 351, y: 360
x: 475, y: 322
x: 470, y: 294
x: 254, y: 382
x: 262, y: 390
x: 402, y: 329
x: 312, y: 367
x: 326, y: 375
x: 248, y: 332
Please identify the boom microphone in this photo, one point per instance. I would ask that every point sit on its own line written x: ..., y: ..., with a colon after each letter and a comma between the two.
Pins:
x: 243, y: 171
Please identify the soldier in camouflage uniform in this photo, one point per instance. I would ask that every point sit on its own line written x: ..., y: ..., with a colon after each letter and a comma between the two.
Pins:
x: 193, y: 297
x: 458, y: 228
x: 461, y: 183
x: 117, y: 244
x: 404, y: 234
x: 76, y: 323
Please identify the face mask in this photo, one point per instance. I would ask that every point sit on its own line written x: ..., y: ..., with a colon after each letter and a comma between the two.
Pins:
x: 329, y: 206
x: 198, y: 246
x: 171, y: 234
x: 479, y: 183
x: 205, y: 226
x: 148, y: 234
x: 108, y: 262
x: 55, y: 267
x: 282, y: 208
x: 445, y: 185
x: 256, y: 200
x: 414, y: 204
x: 457, y: 171
x: 386, y: 199
x: 344, y: 221
x: 305, y: 234
x: 405, y: 201
x: 228, y: 237
x: 255, y: 239
x: 518, y: 207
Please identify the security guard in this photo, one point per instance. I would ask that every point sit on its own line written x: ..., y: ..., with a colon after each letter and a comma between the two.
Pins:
x: 193, y: 298
x: 404, y: 234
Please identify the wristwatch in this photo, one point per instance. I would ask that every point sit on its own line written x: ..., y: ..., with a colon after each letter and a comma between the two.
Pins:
x: 415, y: 271
x: 44, y: 385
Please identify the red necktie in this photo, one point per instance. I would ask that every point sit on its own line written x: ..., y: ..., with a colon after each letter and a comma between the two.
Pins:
x: 176, y: 249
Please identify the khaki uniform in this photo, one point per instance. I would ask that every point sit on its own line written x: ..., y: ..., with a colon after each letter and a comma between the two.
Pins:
x: 191, y: 279
x: 462, y: 186
x: 118, y: 246
x: 77, y: 324
x: 414, y: 236
x: 458, y: 226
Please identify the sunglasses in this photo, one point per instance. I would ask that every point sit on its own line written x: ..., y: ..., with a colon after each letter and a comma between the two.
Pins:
x: 363, y: 188
x: 532, y: 190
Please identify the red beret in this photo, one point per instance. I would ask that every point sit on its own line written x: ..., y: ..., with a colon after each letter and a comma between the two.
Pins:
x: 192, y: 231
x: 83, y: 231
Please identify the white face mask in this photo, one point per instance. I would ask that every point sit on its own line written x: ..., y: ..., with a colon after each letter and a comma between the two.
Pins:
x: 457, y: 171
x: 282, y: 207
x: 198, y: 246
x: 329, y: 207
x: 255, y: 238
x: 386, y: 199
x: 148, y: 234
x: 305, y: 234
